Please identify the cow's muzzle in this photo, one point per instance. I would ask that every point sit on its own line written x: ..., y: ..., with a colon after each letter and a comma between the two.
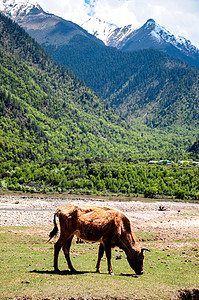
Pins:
x: 139, y: 273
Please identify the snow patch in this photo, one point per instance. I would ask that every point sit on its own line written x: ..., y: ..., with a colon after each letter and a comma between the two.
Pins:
x: 15, y: 8
x: 99, y: 28
x: 163, y: 35
x: 109, y: 33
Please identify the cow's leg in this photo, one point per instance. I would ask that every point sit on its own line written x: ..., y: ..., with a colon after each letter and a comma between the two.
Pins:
x: 108, y: 256
x: 100, y: 255
x: 57, y: 248
x: 66, y: 249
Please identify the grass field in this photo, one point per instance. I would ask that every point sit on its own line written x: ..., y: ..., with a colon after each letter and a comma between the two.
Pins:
x: 26, y: 269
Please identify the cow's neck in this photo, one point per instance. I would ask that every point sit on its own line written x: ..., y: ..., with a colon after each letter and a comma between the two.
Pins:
x: 128, y: 244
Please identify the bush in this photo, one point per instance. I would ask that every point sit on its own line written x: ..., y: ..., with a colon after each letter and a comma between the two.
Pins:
x: 180, y: 194
x: 150, y: 192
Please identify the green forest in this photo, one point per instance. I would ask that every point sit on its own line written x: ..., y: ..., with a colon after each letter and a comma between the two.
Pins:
x: 57, y: 135
x: 104, y: 178
x: 146, y: 86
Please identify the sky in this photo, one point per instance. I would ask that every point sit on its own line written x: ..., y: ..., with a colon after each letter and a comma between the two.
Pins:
x: 180, y: 17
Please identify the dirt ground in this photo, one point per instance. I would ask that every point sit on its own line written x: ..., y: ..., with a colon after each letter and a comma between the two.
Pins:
x: 165, y: 220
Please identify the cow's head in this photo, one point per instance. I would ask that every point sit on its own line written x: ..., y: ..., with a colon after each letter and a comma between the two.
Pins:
x: 136, y: 260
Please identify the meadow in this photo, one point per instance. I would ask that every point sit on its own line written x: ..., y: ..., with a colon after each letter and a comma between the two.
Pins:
x: 26, y: 268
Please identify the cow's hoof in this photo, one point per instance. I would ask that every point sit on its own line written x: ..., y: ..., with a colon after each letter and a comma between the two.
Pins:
x: 111, y: 273
x: 56, y: 270
x: 74, y: 271
x: 98, y: 271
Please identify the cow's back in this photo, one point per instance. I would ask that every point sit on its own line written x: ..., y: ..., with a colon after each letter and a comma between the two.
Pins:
x: 93, y: 223
x: 90, y: 223
x: 97, y: 223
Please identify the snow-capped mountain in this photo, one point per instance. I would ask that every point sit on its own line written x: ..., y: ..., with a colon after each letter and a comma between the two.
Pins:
x: 109, y: 33
x: 101, y: 29
x: 119, y: 35
x: 129, y: 38
x: 49, y: 29
x: 16, y: 9
x: 154, y: 35
x: 150, y: 35
x: 46, y: 28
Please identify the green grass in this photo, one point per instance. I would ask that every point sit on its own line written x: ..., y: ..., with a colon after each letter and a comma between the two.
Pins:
x: 26, y: 269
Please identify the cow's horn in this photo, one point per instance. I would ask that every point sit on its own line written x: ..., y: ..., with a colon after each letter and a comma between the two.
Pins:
x: 145, y: 249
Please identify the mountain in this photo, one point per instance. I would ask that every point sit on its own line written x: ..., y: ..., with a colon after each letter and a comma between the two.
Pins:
x: 51, y: 30
x: 48, y: 114
x: 15, y: 9
x: 45, y: 111
x: 163, y: 92
x: 56, y: 135
x: 46, y: 28
x: 110, y: 34
x: 143, y: 87
x: 101, y: 29
x: 150, y: 35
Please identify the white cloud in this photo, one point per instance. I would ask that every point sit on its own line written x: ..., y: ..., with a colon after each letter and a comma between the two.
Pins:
x: 117, y: 12
x: 72, y: 10
x: 178, y: 16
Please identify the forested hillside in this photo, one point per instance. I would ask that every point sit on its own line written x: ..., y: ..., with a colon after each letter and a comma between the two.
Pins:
x: 57, y: 135
x: 162, y: 92
x: 47, y: 112
x: 194, y: 149
x: 145, y: 86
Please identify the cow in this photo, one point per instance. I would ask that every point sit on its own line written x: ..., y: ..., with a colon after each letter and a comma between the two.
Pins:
x: 108, y: 226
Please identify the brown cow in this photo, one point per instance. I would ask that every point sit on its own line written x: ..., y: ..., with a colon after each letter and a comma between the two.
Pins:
x: 106, y: 225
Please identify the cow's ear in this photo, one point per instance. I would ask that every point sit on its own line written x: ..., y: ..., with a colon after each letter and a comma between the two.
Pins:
x: 145, y: 249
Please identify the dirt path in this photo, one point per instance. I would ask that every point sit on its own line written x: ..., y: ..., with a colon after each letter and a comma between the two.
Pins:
x: 176, y: 220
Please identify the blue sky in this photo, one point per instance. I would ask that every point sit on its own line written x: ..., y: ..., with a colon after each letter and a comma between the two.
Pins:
x: 91, y: 4
x: 180, y: 17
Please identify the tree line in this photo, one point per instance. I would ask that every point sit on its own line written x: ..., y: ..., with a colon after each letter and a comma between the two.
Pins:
x: 103, y: 178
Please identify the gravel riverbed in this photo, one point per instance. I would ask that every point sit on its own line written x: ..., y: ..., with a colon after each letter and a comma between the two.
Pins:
x: 29, y: 211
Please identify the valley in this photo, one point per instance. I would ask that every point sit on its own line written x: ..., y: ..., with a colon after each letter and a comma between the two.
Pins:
x: 60, y: 132
x: 100, y: 115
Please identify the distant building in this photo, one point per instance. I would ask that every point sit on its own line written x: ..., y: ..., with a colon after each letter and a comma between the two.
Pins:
x: 184, y: 162
x: 164, y: 161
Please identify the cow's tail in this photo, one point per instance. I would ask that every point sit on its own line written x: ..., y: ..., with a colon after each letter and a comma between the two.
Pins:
x: 55, y: 229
